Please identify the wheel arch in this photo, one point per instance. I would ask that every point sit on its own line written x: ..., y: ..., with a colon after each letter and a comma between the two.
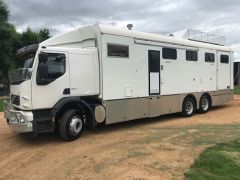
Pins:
x: 190, y: 96
x: 73, y: 103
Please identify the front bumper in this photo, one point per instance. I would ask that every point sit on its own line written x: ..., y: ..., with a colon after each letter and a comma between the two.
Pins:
x: 18, y: 121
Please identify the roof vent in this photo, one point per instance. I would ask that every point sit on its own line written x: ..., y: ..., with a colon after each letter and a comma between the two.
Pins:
x: 130, y: 26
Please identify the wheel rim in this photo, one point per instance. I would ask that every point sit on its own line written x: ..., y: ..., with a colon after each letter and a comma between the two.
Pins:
x: 75, y: 125
x: 205, y: 104
x: 189, y: 107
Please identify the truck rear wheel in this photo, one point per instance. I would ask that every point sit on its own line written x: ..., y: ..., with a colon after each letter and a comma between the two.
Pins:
x: 71, y: 125
x: 204, y: 104
x: 188, y: 107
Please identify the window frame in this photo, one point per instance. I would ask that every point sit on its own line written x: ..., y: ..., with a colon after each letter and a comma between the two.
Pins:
x: 152, y: 56
x: 192, y: 51
x: 49, y: 81
x: 169, y: 58
x: 224, y: 62
x: 119, y: 45
x: 209, y: 61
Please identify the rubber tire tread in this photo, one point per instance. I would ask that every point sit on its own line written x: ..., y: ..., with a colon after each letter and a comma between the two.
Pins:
x: 64, y: 123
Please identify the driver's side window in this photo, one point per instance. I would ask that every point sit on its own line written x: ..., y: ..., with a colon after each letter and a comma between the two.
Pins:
x: 51, y: 68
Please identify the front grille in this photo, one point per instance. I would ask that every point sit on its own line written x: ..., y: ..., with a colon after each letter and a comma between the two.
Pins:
x: 15, y: 100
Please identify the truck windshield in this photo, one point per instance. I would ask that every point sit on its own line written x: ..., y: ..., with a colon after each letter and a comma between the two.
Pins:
x: 24, y: 72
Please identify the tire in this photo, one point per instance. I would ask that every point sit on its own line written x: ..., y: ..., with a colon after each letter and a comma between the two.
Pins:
x: 71, y: 125
x: 188, y: 107
x: 204, y: 104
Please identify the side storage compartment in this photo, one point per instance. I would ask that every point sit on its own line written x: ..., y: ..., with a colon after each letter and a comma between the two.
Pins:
x: 126, y: 109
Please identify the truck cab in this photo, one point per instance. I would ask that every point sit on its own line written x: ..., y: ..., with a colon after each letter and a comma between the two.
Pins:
x: 54, y: 81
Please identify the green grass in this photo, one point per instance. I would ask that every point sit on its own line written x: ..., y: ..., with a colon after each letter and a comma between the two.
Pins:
x: 1, y: 105
x: 237, y: 89
x: 219, y: 162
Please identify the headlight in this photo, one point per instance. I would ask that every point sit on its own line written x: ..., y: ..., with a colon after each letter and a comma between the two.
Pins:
x: 20, y: 118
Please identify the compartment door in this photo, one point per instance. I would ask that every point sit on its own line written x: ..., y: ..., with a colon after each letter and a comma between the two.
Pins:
x: 154, y: 82
x: 223, y: 70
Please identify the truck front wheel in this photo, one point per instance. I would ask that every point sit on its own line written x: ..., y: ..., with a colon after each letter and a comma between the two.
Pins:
x: 71, y: 125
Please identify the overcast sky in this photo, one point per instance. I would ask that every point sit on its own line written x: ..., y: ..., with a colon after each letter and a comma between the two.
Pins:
x: 221, y: 17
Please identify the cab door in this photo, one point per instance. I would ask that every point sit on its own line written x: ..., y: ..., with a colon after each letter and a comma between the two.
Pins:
x: 55, y: 85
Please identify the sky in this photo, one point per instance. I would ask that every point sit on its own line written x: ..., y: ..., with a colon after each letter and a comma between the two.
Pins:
x: 221, y: 17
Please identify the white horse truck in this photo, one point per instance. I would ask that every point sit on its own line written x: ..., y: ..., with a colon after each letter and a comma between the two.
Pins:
x: 104, y: 75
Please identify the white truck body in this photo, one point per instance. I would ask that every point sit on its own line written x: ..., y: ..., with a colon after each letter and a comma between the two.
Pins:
x: 123, y: 85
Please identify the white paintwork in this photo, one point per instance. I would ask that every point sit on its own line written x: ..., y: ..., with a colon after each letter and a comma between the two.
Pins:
x: 71, y: 37
x: 119, y: 73
x: 223, y: 72
x: 95, y: 31
x: 46, y: 96
x: 154, y: 83
x: 84, y: 73
x: 177, y: 76
x: 24, y: 91
x: 159, y: 38
x: 89, y: 70
x: 128, y: 92
x: 81, y: 76
x: 232, y: 69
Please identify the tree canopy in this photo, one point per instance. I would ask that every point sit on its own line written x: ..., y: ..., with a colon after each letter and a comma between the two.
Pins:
x: 11, y: 40
x: 4, y: 13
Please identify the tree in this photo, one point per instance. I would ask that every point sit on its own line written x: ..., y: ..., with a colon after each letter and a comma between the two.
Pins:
x: 11, y: 40
x: 44, y: 34
x: 4, y: 13
x: 30, y: 37
x: 7, y: 36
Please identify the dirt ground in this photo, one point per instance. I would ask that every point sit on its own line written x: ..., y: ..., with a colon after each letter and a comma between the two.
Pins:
x: 159, y: 148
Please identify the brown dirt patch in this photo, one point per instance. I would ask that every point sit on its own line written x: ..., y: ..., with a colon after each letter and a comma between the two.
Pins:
x: 159, y: 148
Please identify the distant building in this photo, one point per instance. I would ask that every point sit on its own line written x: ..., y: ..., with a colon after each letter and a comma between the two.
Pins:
x: 237, y: 73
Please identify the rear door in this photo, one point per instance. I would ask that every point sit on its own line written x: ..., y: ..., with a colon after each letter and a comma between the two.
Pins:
x: 223, y: 70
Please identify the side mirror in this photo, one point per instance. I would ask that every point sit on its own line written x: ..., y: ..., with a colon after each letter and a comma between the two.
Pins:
x: 42, y: 57
x: 42, y: 74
